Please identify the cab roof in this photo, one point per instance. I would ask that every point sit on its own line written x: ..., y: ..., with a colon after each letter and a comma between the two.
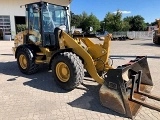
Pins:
x: 56, y: 2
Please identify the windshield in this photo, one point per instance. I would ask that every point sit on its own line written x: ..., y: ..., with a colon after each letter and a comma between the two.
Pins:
x: 54, y: 16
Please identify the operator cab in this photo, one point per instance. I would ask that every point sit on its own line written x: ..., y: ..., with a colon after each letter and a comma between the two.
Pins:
x: 42, y: 19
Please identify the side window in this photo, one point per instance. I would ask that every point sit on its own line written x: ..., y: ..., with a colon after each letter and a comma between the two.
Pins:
x: 34, y: 20
x: 60, y: 17
x: 48, y: 21
x: 34, y: 26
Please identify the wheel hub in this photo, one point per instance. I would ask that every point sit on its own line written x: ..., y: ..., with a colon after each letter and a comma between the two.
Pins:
x: 63, y: 72
x: 23, y: 61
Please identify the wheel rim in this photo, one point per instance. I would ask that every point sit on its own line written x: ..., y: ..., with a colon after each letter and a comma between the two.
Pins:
x: 23, y: 61
x: 63, y: 72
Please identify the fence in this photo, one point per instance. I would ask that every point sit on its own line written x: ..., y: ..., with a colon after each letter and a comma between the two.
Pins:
x: 133, y: 35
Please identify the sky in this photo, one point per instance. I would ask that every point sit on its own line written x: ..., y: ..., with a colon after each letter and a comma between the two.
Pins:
x: 148, y: 9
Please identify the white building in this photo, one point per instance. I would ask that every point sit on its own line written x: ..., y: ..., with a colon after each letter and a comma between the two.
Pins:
x: 11, y: 14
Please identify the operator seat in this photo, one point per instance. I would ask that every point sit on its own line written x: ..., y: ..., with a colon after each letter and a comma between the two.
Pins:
x: 35, y: 37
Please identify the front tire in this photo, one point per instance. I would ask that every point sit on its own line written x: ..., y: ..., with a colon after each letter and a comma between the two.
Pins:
x: 67, y: 70
x: 26, y: 61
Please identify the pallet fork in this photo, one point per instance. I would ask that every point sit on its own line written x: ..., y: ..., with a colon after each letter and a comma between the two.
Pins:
x: 126, y: 88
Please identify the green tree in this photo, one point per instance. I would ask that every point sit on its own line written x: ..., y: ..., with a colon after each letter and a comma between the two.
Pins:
x: 154, y: 23
x: 91, y: 21
x: 125, y: 26
x: 75, y: 20
x: 136, y: 23
x: 147, y: 24
x: 127, y: 23
x: 85, y: 21
x: 113, y: 22
x: 82, y: 19
x: 83, y: 16
x: 102, y: 24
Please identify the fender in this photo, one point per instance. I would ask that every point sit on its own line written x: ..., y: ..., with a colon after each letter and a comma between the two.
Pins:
x: 33, y: 48
x: 58, y: 52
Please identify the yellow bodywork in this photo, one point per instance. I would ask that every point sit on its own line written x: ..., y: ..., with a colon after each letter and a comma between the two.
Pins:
x: 95, y: 56
x: 19, y: 40
x: 158, y: 21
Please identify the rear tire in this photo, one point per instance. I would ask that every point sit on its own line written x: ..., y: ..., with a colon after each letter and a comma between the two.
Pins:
x: 26, y: 61
x: 67, y: 70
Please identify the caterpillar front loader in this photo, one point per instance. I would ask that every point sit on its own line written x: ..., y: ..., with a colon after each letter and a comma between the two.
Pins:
x: 47, y: 40
x: 156, y: 35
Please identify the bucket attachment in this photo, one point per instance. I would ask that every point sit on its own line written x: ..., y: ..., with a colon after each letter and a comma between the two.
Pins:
x: 126, y: 87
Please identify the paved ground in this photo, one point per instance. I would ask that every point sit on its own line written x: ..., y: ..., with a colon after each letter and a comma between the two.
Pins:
x: 38, y: 97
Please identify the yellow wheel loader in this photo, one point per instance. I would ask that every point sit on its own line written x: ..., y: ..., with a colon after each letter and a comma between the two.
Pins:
x: 47, y: 40
x: 156, y: 35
